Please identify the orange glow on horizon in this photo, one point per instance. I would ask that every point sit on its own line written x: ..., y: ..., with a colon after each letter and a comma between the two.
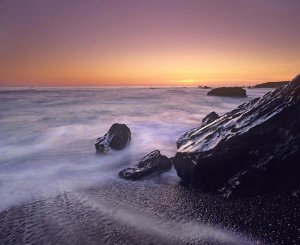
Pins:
x: 153, y: 43
x: 166, y: 70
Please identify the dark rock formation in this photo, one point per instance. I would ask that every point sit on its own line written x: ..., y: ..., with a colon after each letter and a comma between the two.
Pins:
x: 271, y: 84
x: 204, y: 87
x: 209, y: 118
x: 117, y: 137
x: 228, y: 91
x: 254, y: 148
x: 134, y: 173
x: 154, y: 161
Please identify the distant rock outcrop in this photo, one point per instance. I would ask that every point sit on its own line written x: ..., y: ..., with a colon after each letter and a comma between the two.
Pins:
x: 204, y: 87
x: 154, y: 161
x: 117, y: 137
x: 271, y: 84
x: 228, y: 91
x: 254, y: 148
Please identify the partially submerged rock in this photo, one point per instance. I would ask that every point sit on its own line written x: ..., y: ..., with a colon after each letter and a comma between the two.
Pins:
x: 254, y: 148
x: 154, y: 161
x: 134, y: 173
x: 211, y: 117
x: 117, y: 138
x: 228, y: 91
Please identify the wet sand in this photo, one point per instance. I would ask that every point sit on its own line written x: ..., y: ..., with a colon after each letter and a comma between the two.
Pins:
x: 151, y: 211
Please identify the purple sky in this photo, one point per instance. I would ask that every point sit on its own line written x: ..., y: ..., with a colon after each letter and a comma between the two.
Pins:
x: 89, y: 42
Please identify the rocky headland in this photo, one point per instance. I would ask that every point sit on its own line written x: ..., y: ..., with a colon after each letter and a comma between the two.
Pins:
x: 253, y: 149
x: 271, y: 84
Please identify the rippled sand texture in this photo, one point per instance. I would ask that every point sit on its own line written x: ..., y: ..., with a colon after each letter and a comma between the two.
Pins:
x: 154, y: 212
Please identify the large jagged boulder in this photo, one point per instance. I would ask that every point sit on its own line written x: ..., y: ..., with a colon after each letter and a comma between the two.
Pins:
x: 117, y: 138
x: 228, y: 92
x: 254, y: 148
x: 154, y: 161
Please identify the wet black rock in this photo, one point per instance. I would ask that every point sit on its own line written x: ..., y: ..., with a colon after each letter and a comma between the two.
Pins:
x: 171, y: 159
x: 117, y: 138
x: 211, y: 117
x: 228, y: 91
x: 134, y: 173
x: 154, y: 161
x: 253, y: 149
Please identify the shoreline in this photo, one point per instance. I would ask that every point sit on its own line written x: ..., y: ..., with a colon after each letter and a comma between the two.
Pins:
x: 254, y: 219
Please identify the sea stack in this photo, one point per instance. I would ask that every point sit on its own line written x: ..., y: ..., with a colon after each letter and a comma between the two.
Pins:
x: 228, y: 92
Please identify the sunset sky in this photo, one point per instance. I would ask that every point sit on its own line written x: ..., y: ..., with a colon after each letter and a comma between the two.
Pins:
x: 157, y: 42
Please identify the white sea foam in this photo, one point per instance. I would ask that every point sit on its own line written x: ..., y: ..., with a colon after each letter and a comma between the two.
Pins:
x: 47, y: 135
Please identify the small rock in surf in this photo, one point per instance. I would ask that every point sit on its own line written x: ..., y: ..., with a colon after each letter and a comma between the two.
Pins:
x: 117, y: 138
x: 154, y: 161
